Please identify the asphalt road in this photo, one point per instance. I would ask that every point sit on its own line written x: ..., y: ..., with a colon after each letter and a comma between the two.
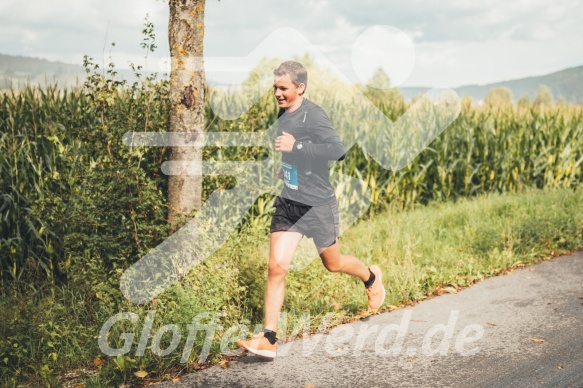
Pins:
x: 522, y: 329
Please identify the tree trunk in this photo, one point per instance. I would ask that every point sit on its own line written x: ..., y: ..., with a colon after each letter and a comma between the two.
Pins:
x: 187, y: 96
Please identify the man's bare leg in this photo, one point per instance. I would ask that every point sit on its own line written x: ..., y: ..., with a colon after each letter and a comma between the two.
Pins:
x: 282, y: 246
x: 335, y: 262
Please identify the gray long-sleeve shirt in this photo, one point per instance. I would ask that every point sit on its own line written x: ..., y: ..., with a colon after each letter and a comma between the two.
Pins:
x: 306, y: 169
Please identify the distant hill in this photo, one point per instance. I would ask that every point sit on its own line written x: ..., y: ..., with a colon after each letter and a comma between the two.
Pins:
x: 15, y: 70
x: 566, y: 83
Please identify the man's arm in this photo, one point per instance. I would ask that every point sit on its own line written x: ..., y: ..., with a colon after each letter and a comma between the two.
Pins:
x: 327, y: 144
x: 333, y: 150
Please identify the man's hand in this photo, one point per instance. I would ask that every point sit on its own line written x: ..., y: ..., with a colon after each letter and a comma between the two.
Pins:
x: 279, y: 173
x: 285, y: 142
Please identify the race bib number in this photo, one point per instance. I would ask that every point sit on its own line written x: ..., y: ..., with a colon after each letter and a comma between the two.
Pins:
x: 290, y: 175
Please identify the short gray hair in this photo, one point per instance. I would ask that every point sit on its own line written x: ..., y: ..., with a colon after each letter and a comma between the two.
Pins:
x: 296, y: 71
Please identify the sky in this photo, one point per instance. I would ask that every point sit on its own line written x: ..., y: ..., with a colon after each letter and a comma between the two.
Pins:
x: 427, y: 43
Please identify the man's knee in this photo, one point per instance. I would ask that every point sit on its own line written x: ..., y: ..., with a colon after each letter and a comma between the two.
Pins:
x: 275, y: 269
x: 332, y: 266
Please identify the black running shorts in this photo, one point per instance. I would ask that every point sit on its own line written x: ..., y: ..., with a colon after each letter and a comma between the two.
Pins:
x: 318, y: 222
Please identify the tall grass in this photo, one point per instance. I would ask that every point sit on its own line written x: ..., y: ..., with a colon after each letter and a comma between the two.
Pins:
x: 37, y: 151
x: 54, y: 143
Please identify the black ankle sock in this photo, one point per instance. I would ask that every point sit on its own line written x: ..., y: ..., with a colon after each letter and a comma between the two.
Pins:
x: 370, y: 280
x: 270, y: 335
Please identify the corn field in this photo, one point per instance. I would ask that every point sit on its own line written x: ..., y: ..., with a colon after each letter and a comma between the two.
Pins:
x: 71, y: 192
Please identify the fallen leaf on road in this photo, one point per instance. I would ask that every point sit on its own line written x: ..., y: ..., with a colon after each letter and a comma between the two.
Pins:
x: 559, y: 366
x: 537, y: 340
x: 224, y: 364
x: 309, y: 386
x: 491, y: 324
x: 411, y: 359
x: 340, y: 349
x: 532, y: 270
x: 141, y: 374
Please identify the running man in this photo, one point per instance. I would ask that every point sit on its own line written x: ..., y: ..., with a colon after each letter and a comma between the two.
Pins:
x: 307, y: 204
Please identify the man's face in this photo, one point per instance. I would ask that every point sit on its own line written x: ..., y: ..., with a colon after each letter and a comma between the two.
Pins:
x: 286, y: 92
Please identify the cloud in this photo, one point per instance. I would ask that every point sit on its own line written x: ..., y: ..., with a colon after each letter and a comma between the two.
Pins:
x: 461, y: 20
x: 455, y: 40
x: 67, y: 29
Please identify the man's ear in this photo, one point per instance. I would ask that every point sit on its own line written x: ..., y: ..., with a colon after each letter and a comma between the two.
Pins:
x: 302, y: 89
